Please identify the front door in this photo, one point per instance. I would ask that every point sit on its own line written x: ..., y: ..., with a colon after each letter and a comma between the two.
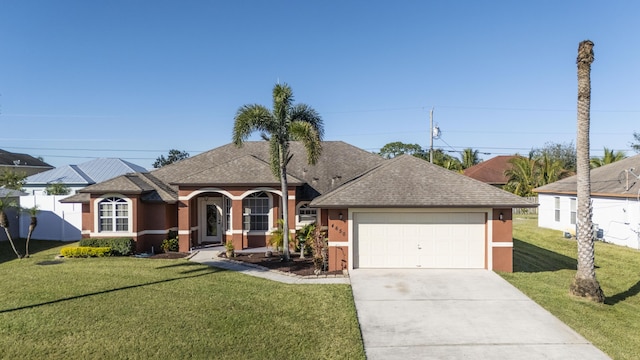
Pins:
x: 210, y: 220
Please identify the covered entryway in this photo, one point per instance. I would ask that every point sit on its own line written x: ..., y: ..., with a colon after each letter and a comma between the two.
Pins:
x: 442, y: 240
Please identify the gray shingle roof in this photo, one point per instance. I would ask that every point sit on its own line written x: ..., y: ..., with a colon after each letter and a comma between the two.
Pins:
x: 249, y: 165
x: 246, y: 170
x: 407, y: 181
x: 138, y: 183
x: 10, y: 193
x: 87, y: 173
x: 16, y: 159
x: 609, y: 180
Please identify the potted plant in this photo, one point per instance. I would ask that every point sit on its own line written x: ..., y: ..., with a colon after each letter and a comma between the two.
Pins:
x: 228, y: 245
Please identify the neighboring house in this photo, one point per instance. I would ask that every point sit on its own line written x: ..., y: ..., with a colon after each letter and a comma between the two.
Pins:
x: 22, y: 163
x: 62, y: 221
x: 12, y: 213
x: 615, y: 193
x: 76, y: 177
x: 492, y: 171
x: 398, y: 213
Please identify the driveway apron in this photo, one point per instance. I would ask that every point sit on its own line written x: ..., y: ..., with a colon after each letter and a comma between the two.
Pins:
x: 457, y: 314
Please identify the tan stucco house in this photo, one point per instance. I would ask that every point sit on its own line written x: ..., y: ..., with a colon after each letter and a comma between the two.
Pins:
x: 398, y: 213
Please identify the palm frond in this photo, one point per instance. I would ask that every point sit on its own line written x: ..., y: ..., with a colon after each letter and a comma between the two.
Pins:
x: 250, y: 118
x: 282, y: 102
x: 308, y: 135
x: 305, y: 113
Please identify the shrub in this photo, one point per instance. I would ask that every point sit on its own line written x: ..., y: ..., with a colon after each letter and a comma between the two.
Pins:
x: 170, y: 245
x: 85, y: 251
x: 119, y: 246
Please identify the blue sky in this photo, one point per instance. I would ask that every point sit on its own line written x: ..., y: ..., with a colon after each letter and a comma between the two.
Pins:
x: 133, y: 79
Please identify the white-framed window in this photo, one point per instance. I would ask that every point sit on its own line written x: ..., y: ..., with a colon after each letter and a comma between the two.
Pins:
x: 255, y: 212
x: 113, y: 215
x: 573, y: 211
x: 227, y: 212
x: 306, y: 214
x: 557, y: 208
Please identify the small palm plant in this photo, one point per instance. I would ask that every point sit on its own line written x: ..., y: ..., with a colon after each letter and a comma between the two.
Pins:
x: 6, y: 204
x: 33, y: 212
x: 276, y: 240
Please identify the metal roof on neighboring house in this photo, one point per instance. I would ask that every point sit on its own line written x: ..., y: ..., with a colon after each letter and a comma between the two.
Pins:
x: 90, y: 172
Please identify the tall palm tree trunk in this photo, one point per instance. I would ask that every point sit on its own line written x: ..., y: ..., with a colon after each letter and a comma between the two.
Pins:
x: 4, y: 223
x: 32, y: 226
x: 585, y: 283
x: 284, y: 187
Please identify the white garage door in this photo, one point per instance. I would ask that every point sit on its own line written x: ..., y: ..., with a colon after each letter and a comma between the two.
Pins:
x: 419, y: 240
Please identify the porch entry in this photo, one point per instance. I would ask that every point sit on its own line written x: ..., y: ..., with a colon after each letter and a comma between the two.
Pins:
x: 210, y: 220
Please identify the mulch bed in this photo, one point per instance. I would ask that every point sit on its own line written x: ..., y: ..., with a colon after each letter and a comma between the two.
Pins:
x: 170, y: 255
x: 302, y: 267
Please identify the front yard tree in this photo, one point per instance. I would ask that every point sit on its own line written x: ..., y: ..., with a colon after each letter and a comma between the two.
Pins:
x: 173, y: 156
x: 585, y: 283
x: 286, y: 122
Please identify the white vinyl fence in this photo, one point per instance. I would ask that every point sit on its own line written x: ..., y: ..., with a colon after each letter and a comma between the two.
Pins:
x: 56, y: 221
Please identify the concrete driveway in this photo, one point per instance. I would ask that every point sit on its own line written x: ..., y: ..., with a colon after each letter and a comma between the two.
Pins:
x: 457, y: 314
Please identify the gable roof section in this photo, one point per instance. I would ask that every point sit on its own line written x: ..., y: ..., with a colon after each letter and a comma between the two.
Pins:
x: 87, y: 173
x: 246, y: 170
x: 609, y: 181
x: 492, y: 171
x: 407, y: 181
x: 145, y: 184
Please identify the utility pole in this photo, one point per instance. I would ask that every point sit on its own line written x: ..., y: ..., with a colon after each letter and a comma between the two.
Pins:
x: 431, y: 136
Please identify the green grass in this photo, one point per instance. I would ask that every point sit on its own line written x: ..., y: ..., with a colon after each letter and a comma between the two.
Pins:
x: 544, y: 266
x: 131, y: 308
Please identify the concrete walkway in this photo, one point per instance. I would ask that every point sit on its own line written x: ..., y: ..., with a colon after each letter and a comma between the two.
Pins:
x: 209, y: 256
x: 457, y: 314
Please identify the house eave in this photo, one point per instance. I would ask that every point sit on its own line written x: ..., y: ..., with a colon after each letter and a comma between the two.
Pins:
x: 596, y: 194
x: 475, y: 206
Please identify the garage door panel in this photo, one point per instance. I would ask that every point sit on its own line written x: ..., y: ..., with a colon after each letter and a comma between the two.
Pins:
x: 425, y: 240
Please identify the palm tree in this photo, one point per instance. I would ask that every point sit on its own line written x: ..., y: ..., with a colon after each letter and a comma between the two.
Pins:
x: 33, y: 212
x: 523, y: 176
x: 286, y: 122
x: 585, y: 283
x: 469, y: 158
x: 550, y: 170
x: 610, y: 156
x: 5, y: 204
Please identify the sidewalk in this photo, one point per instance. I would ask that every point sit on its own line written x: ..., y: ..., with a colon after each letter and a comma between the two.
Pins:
x: 209, y: 256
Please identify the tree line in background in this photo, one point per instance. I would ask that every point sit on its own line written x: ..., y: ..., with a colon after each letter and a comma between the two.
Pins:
x: 550, y: 163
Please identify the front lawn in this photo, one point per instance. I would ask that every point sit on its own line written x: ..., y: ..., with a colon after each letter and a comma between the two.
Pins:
x: 544, y: 265
x: 167, y: 309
